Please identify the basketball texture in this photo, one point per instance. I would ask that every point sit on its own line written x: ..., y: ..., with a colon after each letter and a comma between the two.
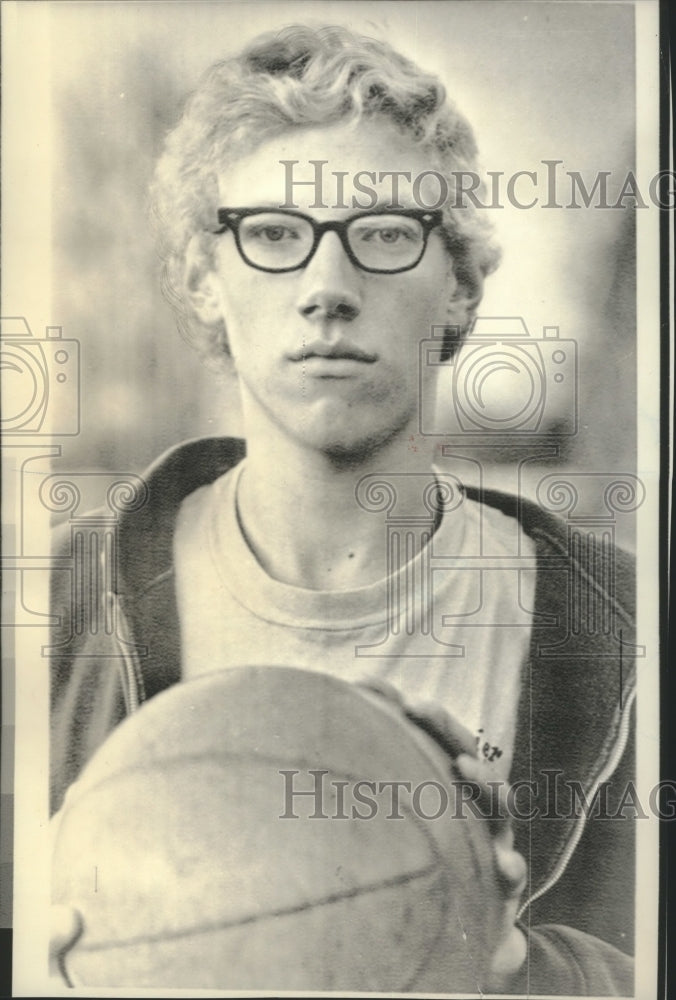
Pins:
x: 196, y: 862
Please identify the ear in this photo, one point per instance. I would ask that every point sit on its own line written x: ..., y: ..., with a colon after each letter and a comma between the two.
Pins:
x: 200, y: 283
x: 466, y: 297
x: 461, y: 314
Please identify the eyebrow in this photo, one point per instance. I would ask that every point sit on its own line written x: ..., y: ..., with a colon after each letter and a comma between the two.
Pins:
x: 379, y: 207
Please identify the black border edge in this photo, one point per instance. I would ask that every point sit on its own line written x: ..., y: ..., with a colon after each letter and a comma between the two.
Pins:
x: 667, y: 833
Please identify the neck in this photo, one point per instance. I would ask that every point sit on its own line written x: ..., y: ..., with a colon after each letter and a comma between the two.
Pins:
x: 307, y: 522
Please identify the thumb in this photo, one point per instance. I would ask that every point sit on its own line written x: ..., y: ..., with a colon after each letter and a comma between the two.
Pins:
x: 65, y: 928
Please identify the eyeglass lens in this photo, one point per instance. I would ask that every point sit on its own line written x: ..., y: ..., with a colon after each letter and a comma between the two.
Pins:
x: 381, y: 241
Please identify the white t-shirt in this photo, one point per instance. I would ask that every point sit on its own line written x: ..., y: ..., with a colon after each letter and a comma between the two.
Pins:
x: 450, y: 626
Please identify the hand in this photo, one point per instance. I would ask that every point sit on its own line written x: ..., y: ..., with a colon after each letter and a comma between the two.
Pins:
x: 511, y: 872
x: 510, y: 866
x: 65, y: 928
x: 445, y: 730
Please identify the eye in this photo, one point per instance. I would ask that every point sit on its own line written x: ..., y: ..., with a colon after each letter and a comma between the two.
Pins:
x: 272, y: 233
x: 386, y: 233
x: 382, y: 234
x: 391, y: 235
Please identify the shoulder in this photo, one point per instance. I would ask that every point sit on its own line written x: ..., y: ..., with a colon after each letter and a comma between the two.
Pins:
x: 586, y: 550
x: 143, y: 534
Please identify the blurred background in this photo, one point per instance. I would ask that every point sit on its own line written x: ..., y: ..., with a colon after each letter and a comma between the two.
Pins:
x: 539, y: 81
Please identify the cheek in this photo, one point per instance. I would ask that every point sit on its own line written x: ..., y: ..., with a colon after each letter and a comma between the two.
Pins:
x: 429, y: 293
x: 422, y: 306
x: 249, y: 314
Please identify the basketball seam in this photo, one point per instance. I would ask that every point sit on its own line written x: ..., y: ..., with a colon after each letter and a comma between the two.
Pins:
x: 253, y: 918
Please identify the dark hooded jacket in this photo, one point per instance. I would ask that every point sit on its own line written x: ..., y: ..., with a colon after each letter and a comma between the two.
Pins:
x: 574, y: 750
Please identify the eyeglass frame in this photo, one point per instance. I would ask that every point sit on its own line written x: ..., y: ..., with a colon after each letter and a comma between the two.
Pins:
x: 230, y: 219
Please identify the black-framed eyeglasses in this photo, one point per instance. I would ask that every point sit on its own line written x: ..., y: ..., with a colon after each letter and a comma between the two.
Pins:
x: 280, y: 239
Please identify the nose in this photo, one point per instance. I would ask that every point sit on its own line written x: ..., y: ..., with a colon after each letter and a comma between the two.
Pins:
x: 331, y: 286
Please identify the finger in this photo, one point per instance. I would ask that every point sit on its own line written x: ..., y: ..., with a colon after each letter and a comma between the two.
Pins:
x: 510, y: 866
x: 65, y: 928
x: 65, y: 924
x: 507, y: 960
x: 429, y: 716
x: 450, y: 734
x: 383, y: 688
x: 511, y: 870
x: 492, y: 797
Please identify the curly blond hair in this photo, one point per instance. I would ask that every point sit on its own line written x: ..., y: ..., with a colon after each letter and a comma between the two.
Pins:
x: 303, y: 76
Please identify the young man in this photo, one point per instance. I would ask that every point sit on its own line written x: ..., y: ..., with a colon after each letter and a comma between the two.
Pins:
x: 319, y: 289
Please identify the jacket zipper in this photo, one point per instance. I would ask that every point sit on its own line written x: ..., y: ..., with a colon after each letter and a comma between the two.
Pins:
x: 578, y: 830
x: 131, y: 676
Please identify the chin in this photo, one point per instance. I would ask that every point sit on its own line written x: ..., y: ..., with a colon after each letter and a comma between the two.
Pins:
x: 355, y: 451
x: 346, y: 433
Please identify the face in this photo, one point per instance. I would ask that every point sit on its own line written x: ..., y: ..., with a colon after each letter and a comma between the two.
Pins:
x: 328, y: 355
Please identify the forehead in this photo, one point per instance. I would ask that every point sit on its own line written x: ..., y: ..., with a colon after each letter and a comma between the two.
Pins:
x: 323, y: 168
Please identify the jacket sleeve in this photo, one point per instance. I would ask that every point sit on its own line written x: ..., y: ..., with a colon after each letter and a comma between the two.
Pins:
x: 567, y: 962
x: 86, y: 695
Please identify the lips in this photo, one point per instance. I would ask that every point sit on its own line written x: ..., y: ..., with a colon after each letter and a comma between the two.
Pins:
x: 341, y: 351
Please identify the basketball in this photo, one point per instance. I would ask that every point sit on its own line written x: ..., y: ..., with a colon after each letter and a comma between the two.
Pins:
x: 265, y: 828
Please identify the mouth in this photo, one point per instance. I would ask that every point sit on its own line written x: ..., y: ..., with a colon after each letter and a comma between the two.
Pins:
x: 322, y: 353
